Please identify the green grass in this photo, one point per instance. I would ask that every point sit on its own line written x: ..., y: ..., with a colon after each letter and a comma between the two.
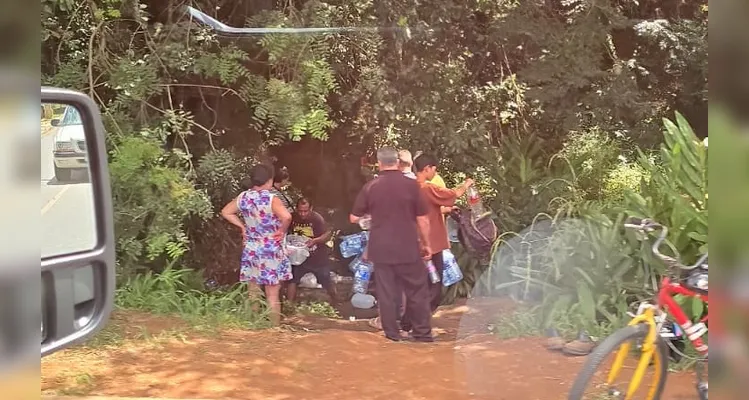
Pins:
x: 519, y: 323
x: 175, y: 292
x: 529, y: 322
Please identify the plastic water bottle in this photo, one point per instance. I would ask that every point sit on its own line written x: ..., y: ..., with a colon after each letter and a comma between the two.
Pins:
x: 474, y: 202
x: 361, y: 277
x: 353, y: 245
x: 451, y: 273
x: 433, y: 275
x: 363, y: 301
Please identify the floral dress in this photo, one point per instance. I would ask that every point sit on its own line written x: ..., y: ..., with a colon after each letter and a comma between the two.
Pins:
x: 264, y: 260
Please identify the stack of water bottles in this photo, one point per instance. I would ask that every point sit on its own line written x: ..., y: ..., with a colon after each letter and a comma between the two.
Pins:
x: 354, y: 245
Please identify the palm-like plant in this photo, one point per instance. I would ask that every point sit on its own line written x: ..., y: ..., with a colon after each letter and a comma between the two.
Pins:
x: 676, y: 193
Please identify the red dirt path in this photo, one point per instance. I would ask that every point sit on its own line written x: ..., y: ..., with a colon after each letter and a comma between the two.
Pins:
x: 324, y: 359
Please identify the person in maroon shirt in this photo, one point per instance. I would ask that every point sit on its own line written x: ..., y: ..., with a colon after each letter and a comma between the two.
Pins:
x: 398, y: 241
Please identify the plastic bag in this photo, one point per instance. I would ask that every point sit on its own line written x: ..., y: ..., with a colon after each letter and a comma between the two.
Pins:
x: 296, y: 247
x: 309, y: 281
x: 451, y: 273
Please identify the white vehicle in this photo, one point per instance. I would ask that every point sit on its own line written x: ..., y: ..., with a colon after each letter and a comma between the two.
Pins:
x: 69, y: 152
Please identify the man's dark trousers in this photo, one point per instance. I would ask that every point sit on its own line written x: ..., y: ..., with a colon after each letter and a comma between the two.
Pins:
x: 394, y: 280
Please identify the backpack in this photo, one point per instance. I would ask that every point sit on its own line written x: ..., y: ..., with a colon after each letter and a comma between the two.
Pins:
x: 477, y: 234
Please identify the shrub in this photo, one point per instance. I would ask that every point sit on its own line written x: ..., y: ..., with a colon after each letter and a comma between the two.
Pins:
x: 589, y: 269
x: 625, y: 177
x: 152, y: 199
x: 181, y: 292
x: 589, y: 156
x: 220, y: 174
x: 520, y: 182
x: 674, y: 189
x: 584, y: 269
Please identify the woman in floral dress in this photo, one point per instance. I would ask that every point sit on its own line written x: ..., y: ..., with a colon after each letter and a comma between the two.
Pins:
x: 264, y: 222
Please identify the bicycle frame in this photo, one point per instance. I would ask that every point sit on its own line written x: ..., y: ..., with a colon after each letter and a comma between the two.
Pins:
x: 666, y: 301
x: 665, y: 304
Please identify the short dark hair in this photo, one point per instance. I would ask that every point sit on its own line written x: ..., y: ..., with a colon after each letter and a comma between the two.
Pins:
x: 259, y: 174
x: 425, y: 160
x: 302, y: 201
x: 281, y: 175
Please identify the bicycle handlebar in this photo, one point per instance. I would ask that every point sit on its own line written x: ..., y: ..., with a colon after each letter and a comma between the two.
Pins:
x: 647, y: 225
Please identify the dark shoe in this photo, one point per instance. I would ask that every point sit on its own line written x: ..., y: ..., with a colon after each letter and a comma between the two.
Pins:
x: 581, y: 346
x: 400, y: 338
x: 421, y: 339
x: 554, y: 341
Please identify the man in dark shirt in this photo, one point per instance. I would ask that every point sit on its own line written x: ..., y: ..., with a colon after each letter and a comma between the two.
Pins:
x: 398, y: 240
x: 308, y: 223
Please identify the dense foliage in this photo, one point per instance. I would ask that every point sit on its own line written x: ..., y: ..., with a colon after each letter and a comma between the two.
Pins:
x: 554, y: 106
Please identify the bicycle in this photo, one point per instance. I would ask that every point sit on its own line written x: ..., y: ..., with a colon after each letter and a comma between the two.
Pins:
x: 645, y: 328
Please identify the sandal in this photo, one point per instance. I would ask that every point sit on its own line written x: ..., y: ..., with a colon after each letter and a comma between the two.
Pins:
x: 376, y: 323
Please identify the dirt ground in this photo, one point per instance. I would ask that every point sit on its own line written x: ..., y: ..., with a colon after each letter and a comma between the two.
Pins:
x: 317, y: 358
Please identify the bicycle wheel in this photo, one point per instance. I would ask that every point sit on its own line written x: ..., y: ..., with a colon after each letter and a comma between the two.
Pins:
x: 605, y: 387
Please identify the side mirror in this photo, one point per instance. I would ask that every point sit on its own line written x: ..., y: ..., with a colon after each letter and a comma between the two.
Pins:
x: 77, y: 255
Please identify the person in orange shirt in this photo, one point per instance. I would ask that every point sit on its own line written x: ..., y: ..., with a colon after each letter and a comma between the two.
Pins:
x: 436, y: 198
x: 437, y: 180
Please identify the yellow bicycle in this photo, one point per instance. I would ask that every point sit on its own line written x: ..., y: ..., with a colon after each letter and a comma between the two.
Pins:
x: 644, y: 336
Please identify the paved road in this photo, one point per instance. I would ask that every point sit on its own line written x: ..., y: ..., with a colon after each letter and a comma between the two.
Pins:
x: 68, y: 222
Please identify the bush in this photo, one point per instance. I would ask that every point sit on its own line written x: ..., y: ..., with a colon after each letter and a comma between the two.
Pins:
x: 589, y: 269
x: 589, y: 156
x: 625, y: 177
x: 584, y: 269
x: 220, y: 174
x: 181, y: 292
x: 674, y: 189
x: 520, y: 182
x: 152, y: 199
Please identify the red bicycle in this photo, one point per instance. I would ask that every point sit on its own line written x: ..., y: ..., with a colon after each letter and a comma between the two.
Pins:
x: 642, y: 336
